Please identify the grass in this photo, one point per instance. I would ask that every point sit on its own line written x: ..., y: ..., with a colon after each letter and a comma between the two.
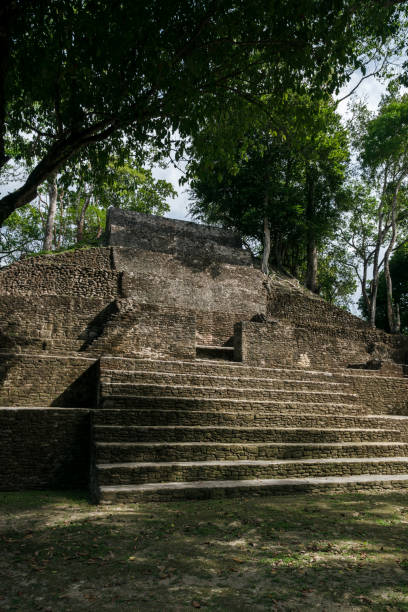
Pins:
x: 340, y: 552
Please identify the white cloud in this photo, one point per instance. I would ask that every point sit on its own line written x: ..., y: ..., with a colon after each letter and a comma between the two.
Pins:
x: 178, y: 206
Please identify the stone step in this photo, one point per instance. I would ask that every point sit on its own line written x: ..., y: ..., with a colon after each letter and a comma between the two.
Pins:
x: 237, y: 488
x: 244, y: 434
x: 114, y: 474
x: 205, y: 380
x: 125, y: 389
x: 233, y: 369
x: 225, y: 405
x: 210, y: 368
x: 241, y: 418
x: 206, y: 451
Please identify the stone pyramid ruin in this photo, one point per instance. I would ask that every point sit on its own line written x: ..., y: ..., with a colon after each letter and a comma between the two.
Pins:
x: 167, y: 366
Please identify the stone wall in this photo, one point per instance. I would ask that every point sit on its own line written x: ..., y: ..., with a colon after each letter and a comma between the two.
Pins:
x: 54, y: 323
x: 161, y: 278
x: 43, y: 279
x: 300, y: 307
x: 96, y: 258
x: 280, y: 343
x: 219, y: 294
x: 380, y: 394
x: 217, y: 328
x: 44, y: 448
x: 147, y: 331
x: 47, y: 380
x: 182, y: 238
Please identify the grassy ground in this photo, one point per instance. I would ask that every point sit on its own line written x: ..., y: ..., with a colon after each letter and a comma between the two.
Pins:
x: 342, y: 552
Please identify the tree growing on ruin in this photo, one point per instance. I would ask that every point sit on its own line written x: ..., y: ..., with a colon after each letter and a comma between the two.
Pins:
x: 284, y: 190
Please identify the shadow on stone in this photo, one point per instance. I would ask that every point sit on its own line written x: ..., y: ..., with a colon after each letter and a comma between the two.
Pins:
x: 96, y: 327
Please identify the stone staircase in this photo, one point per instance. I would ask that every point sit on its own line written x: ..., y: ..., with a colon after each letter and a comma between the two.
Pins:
x: 193, y: 429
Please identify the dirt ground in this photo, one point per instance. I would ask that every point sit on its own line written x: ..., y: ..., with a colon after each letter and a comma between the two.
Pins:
x: 340, y: 552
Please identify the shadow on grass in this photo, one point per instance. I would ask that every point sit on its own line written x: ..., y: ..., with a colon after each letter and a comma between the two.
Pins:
x: 14, y: 501
x: 344, y: 552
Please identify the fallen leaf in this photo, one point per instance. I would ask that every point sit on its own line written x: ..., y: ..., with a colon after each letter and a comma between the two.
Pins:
x: 196, y: 604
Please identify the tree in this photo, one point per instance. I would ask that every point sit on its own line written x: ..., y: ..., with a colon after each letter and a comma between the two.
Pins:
x: 382, y: 141
x: 399, y: 275
x: 71, y: 210
x: 285, y: 190
x: 336, y: 279
x: 358, y: 236
x: 78, y: 72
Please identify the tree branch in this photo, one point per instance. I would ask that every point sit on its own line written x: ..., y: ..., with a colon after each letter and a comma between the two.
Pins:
x: 363, y: 78
x: 58, y: 154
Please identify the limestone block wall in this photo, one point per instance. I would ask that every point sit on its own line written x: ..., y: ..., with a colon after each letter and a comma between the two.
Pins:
x: 280, y: 343
x: 380, y: 394
x: 184, y: 239
x: 161, y: 279
x: 55, y: 323
x: 59, y: 280
x: 301, y: 307
x: 47, y: 380
x: 219, y: 294
x: 147, y: 331
x: 217, y: 328
x: 95, y: 258
x: 44, y: 448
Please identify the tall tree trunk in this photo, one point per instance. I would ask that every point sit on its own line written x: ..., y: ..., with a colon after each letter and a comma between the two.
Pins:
x: 81, y: 219
x: 277, y: 247
x: 363, y: 281
x: 397, y: 319
x: 52, y: 208
x: 311, y: 274
x: 390, y: 306
x: 267, y: 244
x: 374, y: 285
x: 376, y: 266
x: 311, y: 271
x: 391, y: 313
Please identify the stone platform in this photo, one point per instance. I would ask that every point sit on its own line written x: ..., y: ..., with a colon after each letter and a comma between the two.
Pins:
x: 170, y: 367
x: 168, y: 430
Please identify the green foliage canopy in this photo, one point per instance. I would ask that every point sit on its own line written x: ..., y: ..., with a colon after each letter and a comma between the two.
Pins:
x: 294, y: 176
x: 78, y: 72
